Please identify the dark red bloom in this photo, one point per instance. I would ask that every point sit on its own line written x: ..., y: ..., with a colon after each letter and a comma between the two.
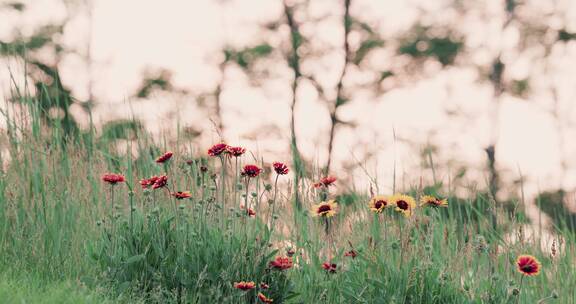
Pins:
x: 164, y: 157
x: 190, y: 162
x: 251, y: 171
x: 181, y: 195
x: 236, y: 151
x: 280, y: 168
x: 330, y: 267
x: 113, y: 179
x: 325, y: 182
x: 290, y: 252
x: 264, y: 299
x: 264, y: 285
x: 528, y: 265
x: 218, y: 149
x: 281, y: 263
x: 160, y: 182
x: 244, y: 285
x: 203, y: 169
x: 146, y: 183
x: 352, y: 253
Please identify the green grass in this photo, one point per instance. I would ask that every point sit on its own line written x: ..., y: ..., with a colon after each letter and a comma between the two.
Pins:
x: 85, y: 241
x: 28, y: 289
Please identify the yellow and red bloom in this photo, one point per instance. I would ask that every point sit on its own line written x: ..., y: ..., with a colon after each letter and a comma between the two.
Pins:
x: 280, y: 168
x: 235, y: 151
x: 113, y: 179
x: 148, y: 182
x: 264, y: 299
x: 378, y: 203
x: 264, y: 285
x: 330, y: 267
x: 403, y: 204
x: 181, y: 195
x: 164, y: 157
x: 218, y: 149
x: 281, y: 263
x: 325, y: 182
x: 160, y: 182
x: 242, y: 285
x: 432, y: 201
x: 325, y: 209
x: 528, y: 265
x: 251, y: 171
x: 352, y: 253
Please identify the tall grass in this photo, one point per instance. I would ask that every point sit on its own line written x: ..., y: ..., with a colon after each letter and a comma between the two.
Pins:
x: 59, y: 223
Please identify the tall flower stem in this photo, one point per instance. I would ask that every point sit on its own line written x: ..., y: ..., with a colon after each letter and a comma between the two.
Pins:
x: 520, y: 289
x: 274, y: 203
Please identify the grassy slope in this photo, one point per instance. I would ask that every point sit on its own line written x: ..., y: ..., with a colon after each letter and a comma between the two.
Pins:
x: 52, y: 199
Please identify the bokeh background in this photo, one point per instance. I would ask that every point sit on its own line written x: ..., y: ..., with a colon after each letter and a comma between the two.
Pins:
x: 464, y: 92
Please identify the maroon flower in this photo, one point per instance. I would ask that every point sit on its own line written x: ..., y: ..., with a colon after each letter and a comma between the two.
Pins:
x: 203, y: 169
x: 264, y: 285
x: 352, y: 253
x: 245, y: 285
x: 164, y: 157
x: 113, y: 179
x: 251, y: 171
x: 146, y: 183
x: 160, y: 182
x: 281, y: 263
x: 329, y: 267
x: 325, y: 182
x: 181, y: 195
x: 280, y: 168
x: 236, y: 151
x: 218, y: 149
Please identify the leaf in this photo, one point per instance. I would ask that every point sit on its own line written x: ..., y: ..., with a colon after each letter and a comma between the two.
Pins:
x: 135, y: 259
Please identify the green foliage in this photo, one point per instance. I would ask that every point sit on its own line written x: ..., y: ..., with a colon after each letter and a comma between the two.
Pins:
x: 420, y: 42
x: 247, y: 57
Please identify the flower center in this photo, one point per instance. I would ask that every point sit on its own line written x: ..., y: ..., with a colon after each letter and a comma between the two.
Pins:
x: 324, y: 208
x: 379, y: 204
x: 402, y: 205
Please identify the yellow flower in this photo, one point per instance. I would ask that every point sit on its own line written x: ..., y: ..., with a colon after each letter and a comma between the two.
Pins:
x: 428, y: 200
x: 403, y: 203
x: 378, y: 203
x: 325, y: 209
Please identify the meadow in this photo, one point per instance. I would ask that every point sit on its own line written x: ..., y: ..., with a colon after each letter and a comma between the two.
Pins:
x: 81, y: 222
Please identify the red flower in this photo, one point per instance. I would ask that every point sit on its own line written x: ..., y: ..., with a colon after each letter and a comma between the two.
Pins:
x: 281, y: 263
x: 251, y: 171
x: 218, y: 149
x: 251, y: 212
x: 280, y: 168
x: 164, y: 157
x: 113, y: 179
x: 325, y: 182
x: 146, y: 183
x: 528, y: 265
x: 352, y: 253
x: 290, y: 252
x: 160, y: 182
x: 236, y: 151
x: 264, y: 285
x: 264, y: 299
x: 244, y: 285
x: 181, y: 195
x: 330, y: 267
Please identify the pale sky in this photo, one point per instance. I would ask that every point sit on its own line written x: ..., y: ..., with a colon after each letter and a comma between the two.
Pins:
x: 130, y: 36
